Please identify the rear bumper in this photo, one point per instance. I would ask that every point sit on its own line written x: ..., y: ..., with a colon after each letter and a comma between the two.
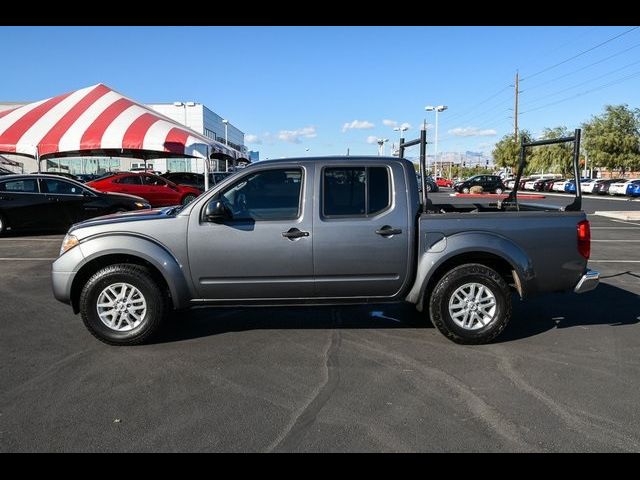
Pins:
x: 588, y: 282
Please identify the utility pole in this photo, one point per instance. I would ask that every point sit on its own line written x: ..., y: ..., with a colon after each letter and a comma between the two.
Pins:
x: 515, y: 111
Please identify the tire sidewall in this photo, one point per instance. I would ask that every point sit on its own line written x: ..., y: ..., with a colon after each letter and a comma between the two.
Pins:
x: 474, y: 273
x: 147, y: 287
x: 187, y: 196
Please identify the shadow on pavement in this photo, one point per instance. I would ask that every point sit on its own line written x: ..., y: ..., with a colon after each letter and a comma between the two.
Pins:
x: 607, y: 305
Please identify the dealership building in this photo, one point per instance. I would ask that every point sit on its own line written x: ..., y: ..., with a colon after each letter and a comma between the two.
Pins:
x: 196, y: 116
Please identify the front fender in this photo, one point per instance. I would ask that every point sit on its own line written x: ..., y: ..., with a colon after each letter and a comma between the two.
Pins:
x: 122, y: 243
x: 441, y: 249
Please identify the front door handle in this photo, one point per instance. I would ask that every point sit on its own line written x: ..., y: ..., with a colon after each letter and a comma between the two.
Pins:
x: 387, y: 230
x: 294, y: 233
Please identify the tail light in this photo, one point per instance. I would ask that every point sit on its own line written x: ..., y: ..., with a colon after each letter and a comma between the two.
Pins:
x: 584, y: 238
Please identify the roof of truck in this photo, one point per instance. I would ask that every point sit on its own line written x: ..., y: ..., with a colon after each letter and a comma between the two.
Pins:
x: 333, y: 158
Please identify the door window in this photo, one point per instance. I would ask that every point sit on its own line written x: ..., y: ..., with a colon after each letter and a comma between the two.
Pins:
x: 266, y: 195
x: 129, y: 180
x: 154, y: 181
x: 60, y: 187
x: 355, y: 191
x: 20, y: 186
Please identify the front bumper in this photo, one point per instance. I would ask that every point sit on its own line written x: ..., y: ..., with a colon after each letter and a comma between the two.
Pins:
x: 588, y: 282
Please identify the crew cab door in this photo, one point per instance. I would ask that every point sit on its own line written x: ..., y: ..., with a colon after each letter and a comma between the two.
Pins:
x: 264, y: 250
x: 361, y: 230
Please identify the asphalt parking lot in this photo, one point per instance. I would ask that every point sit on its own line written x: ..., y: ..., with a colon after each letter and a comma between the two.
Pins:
x: 564, y: 376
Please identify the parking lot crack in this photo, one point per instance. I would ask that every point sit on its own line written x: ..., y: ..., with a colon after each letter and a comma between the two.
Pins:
x: 306, y: 415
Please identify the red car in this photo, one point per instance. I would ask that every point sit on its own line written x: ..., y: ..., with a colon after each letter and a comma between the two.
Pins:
x: 444, y: 182
x: 158, y: 191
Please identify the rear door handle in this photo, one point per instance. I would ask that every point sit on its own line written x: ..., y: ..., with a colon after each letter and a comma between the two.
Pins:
x: 294, y: 233
x: 388, y: 230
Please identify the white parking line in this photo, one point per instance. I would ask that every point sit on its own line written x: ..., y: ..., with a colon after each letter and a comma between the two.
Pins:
x: 10, y: 259
x: 623, y: 221
x: 624, y: 241
x: 614, y: 261
x: 615, y: 228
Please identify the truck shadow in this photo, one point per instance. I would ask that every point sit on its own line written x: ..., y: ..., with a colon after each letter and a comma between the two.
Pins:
x: 607, y: 305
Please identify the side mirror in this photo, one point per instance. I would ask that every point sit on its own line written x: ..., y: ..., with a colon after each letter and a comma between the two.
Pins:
x: 217, y: 211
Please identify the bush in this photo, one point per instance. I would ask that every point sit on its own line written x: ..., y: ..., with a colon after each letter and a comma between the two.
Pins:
x: 476, y: 189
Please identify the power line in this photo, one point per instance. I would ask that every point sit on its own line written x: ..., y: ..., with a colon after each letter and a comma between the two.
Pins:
x: 614, y: 82
x: 583, y: 83
x: 582, y: 68
x: 579, y: 54
x: 466, y: 112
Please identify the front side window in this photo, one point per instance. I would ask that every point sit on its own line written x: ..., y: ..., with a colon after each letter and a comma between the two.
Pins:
x: 266, y: 195
x: 355, y: 191
x: 21, y: 186
x: 60, y: 187
x: 153, y: 181
x: 129, y: 180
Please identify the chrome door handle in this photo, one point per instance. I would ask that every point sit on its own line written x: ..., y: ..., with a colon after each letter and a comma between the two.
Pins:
x: 387, y: 230
x: 294, y: 233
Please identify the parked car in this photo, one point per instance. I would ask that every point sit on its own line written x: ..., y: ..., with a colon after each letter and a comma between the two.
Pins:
x: 321, y: 230
x: 52, y: 202
x: 634, y: 191
x: 59, y: 174
x: 620, y: 188
x: 570, y: 185
x: 601, y: 187
x: 156, y: 190
x: 541, y: 184
x: 558, y: 185
x: 489, y: 183
x: 432, y: 186
x: 444, y: 182
x: 196, y: 180
x: 631, y: 187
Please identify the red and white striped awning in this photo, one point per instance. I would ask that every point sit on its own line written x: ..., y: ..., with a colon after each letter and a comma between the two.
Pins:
x: 96, y: 119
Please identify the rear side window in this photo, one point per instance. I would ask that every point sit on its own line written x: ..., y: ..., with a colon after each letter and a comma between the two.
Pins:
x: 129, y: 180
x: 60, y: 187
x: 21, y: 186
x: 355, y: 191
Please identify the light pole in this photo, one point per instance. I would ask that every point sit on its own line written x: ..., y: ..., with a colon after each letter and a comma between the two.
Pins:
x: 381, y: 142
x: 226, y: 138
x: 438, y: 109
x: 400, y: 129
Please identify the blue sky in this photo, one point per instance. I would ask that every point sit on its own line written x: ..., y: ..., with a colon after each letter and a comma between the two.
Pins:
x: 296, y: 88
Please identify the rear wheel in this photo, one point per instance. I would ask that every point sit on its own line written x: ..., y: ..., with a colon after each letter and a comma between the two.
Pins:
x: 471, y: 304
x: 465, y: 190
x: 188, y: 198
x: 3, y: 225
x: 122, y: 304
x: 499, y: 190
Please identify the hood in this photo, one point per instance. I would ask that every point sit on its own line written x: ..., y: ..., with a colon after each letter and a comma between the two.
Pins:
x: 125, y: 217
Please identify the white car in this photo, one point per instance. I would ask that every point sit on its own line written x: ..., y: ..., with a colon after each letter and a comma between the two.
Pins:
x: 587, y: 185
x: 559, y: 186
x: 529, y: 185
x: 620, y: 188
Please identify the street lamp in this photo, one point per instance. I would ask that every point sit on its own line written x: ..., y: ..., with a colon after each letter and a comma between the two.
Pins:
x: 438, y: 109
x: 226, y: 139
x: 381, y: 142
x: 400, y: 129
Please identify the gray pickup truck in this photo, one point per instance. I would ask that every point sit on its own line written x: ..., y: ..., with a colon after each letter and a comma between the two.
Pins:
x: 321, y: 231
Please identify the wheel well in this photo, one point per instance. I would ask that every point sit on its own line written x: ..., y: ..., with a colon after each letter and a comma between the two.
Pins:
x: 497, y: 263
x: 94, y: 265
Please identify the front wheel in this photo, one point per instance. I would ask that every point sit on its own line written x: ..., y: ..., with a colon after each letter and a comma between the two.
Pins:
x: 471, y: 304
x: 428, y: 187
x: 122, y: 304
x: 465, y: 190
x: 188, y: 198
x: 3, y: 225
x: 499, y: 191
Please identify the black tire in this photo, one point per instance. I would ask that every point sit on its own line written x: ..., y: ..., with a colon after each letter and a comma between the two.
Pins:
x: 449, y: 283
x: 190, y: 197
x: 499, y: 191
x: 465, y: 190
x: 138, y: 276
x: 428, y: 187
x: 3, y: 224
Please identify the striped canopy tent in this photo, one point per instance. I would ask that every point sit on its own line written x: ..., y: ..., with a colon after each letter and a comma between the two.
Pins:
x: 97, y: 121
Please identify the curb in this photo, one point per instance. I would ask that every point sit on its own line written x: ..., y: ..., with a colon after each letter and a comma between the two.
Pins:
x: 632, y: 215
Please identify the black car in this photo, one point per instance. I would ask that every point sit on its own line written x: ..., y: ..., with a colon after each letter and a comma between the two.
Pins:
x: 196, y: 179
x: 48, y: 202
x: 59, y: 174
x: 489, y: 183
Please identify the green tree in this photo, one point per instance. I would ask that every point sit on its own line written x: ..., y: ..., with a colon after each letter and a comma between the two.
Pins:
x: 506, y: 153
x: 612, y: 139
x: 556, y: 158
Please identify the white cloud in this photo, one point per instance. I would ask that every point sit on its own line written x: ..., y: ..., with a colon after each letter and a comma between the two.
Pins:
x: 294, y: 136
x: 250, y: 138
x: 372, y: 139
x: 472, y: 132
x: 357, y: 125
x: 405, y: 125
x: 390, y: 123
